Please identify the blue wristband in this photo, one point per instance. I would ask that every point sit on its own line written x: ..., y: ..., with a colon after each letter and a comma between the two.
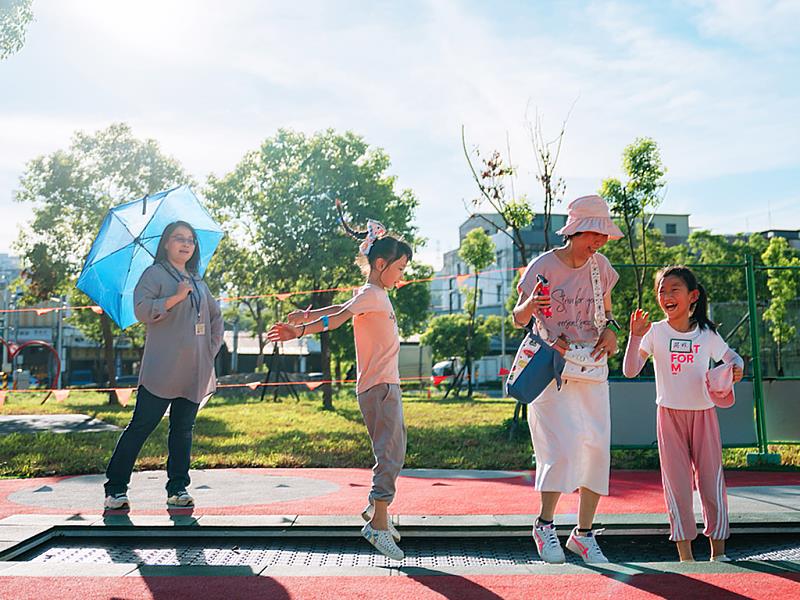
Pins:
x: 325, y: 323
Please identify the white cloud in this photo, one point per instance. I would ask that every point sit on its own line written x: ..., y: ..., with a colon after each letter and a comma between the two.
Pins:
x: 210, y: 81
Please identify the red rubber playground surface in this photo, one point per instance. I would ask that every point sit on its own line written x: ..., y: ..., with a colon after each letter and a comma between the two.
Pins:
x: 631, y: 492
x: 728, y: 586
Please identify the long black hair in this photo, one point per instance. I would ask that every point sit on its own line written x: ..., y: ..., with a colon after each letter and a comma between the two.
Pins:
x: 699, y: 310
x: 389, y: 248
x: 193, y: 263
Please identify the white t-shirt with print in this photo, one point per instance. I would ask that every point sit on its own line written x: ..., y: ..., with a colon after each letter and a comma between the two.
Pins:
x: 681, y: 361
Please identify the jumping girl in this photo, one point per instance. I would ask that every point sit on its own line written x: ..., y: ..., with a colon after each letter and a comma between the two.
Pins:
x: 688, y: 431
x: 382, y: 259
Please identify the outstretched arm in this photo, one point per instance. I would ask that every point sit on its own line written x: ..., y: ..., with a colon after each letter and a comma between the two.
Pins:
x: 281, y: 332
x: 299, y: 317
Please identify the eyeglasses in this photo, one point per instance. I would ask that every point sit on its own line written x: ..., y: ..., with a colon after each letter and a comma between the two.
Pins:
x: 182, y: 240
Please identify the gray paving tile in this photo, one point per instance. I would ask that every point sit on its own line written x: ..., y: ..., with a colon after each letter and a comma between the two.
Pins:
x: 246, y: 520
x: 12, y: 533
x: 194, y: 571
x: 43, y: 519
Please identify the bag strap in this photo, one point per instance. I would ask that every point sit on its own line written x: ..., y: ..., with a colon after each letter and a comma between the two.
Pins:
x: 597, y: 289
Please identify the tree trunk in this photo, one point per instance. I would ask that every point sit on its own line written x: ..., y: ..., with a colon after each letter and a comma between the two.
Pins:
x: 469, y: 337
x: 108, y: 355
x: 548, y: 208
x: 325, y: 357
x: 338, y: 370
x: 324, y: 299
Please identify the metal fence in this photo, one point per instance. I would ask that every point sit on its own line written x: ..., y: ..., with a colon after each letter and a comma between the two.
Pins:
x: 739, y: 296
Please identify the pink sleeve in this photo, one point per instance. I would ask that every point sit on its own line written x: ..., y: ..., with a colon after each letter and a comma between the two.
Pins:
x: 366, y: 300
x: 528, y: 280
x: 647, y: 342
x: 718, y: 347
x: 634, y: 361
x: 608, y: 274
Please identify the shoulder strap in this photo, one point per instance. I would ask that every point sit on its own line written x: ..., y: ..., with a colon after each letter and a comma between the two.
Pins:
x: 597, y: 288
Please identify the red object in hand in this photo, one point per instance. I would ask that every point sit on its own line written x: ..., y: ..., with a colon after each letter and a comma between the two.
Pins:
x: 544, y: 290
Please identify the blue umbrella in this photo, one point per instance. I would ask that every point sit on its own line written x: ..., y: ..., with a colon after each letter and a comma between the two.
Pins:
x: 128, y: 241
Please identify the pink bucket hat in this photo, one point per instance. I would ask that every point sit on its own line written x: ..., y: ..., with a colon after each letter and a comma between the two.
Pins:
x: 719, y: 382
x: 590, y: 213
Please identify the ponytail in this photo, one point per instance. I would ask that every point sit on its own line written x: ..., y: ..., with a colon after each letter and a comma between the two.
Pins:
x: 700, y: 310
x: 698, y: 313
x: 358, y: 235
x: 383, y: 246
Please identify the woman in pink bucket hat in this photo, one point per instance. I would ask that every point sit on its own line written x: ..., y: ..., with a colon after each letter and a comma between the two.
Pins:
x: 567, y: 292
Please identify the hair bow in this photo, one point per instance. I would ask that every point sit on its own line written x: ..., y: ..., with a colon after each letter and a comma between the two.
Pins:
x: 375, y: 231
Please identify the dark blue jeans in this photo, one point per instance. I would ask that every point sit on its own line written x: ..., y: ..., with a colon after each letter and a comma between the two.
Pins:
x: 147, y: 414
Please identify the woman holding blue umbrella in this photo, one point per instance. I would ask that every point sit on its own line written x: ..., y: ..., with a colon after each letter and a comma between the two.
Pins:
x: 184, y: 334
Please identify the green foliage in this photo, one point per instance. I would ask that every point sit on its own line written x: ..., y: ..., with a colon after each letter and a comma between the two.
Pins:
x: 15, y: 15
x: 280, y: 197
x: 477, y: 249
x: 412, y: 303
x: 446, y: 334
x: 71, y: 191
x: 518, y: 213
x: 630, y: 202
x: 784, y: 286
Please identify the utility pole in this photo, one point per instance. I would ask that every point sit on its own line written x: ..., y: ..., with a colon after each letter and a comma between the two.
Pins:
x: 503, y: 293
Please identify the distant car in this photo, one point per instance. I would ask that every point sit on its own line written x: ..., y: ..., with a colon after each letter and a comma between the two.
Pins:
x: 128, y: 380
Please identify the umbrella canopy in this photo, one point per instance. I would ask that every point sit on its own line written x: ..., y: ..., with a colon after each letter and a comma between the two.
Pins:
x: 127, y: 243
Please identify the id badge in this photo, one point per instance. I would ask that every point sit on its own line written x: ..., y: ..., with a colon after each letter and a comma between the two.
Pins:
x: 200, y: 329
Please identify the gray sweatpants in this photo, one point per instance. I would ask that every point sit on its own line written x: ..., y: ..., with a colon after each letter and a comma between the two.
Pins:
x: 382, y: 408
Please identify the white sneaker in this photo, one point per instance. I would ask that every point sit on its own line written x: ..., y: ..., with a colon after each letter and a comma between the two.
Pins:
x: 720, y: 558
x: 586, y: 546
x: 182, y: 498
x: 383, y: 542
x: 116, y: 502
x: 369, y: 512
x: 547, y: 544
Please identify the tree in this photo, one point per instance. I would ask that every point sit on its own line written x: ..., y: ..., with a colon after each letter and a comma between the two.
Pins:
x: 784, y: 286
x: 516, y: 214
x: 412, y: 303
x: 631, y: 202
x: 238, y: 270
x: 445, y: 335
x: 71, y: 192
x: 477, y: 250
x: 15, y: 15
x: 547, y: 154
x: 284, y: 191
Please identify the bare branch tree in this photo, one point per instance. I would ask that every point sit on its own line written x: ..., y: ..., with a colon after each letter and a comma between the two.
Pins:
x: 516, y: 214
x: 547, y: 153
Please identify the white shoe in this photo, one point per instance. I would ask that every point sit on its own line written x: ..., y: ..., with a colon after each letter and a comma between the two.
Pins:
x: 181, y: 499
x: 383, y: 542
x: 369, y: 512
x: 720, y: 558
x: 547, y: 544
x: 586, y: 546
x: 116, y: 502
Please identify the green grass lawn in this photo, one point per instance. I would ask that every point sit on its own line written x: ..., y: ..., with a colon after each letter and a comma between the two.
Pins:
x: 240, y: 431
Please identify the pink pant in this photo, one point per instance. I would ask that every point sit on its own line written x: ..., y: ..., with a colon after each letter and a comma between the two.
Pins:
x: 689, y: 441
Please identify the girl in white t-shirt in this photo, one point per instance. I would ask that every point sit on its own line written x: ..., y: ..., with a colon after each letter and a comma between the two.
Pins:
x: 682, y: 345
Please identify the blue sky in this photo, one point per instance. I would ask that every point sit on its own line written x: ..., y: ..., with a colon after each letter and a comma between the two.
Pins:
x: 714, y: 82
